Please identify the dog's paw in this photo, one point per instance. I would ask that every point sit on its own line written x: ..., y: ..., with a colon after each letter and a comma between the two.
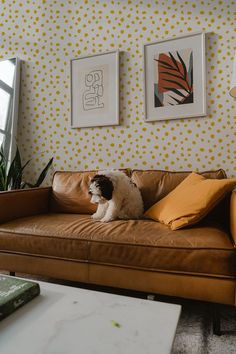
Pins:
x: 105, y: 219
x: 95, y: 216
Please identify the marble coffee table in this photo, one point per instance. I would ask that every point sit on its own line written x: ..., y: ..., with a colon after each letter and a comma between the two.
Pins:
x: 68, y: 320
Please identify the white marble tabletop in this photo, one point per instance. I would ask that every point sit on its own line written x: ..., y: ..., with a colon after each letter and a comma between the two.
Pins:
x: 68, y: 320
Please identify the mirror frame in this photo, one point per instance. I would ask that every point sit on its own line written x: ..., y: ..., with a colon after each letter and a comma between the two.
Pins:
x: 10, y: 144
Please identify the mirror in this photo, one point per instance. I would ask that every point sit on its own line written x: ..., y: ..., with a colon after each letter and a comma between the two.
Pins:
x: 9, y: 102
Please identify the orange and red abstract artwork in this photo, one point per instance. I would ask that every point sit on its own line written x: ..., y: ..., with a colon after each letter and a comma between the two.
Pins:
x: 173, y: 84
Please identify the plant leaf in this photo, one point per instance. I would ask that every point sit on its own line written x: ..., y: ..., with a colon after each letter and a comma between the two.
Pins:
x: 20, y: 184
x: 2, y: 178
x: 175, y: 91
x: 3, y: 170
x: 175, y: 75
x: 43, y: 174
x: 11, y: 176
x: 178, y: 83
x: 15, y: 172
x: 184, y: 66
x: 165, y: 63
x: 167, y: 67
x: 178, y: 101
x: 2, y: 156
x: 24, y: 166
x: 18, y: 169
x: 23, y: 185
x: 174, y: 60
x: 157, y: 101
x: 190, y: 70
x: 191, y: 79
x: 158, y: 97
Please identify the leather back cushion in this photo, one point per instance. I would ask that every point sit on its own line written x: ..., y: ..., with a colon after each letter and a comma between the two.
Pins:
x: 70, y: 192
x: 156, y: 184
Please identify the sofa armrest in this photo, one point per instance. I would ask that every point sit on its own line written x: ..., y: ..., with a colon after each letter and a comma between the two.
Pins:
x: 233, y: 216
x: 23, y: 202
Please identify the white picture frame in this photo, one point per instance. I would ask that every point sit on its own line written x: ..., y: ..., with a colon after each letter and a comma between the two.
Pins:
x: 95, y: 90
x: 167, y: 96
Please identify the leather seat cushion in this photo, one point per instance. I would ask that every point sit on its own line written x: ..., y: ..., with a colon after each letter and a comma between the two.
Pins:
x: 140, y: 244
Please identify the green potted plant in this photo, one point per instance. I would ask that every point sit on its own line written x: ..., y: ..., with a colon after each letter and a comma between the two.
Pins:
x: 11, y: 177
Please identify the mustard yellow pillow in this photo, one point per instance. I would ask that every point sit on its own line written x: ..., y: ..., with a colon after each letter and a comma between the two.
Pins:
x: 190, y: 201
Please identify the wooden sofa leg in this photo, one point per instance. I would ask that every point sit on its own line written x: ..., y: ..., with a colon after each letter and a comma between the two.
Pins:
x: 12, y: 274
x: 216, y: 320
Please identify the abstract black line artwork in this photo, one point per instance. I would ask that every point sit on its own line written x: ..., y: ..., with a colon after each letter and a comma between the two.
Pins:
x: 95, y: 90
x: 93, y: 95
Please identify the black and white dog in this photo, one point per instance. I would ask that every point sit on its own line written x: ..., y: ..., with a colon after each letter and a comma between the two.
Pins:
x: 116, y: 195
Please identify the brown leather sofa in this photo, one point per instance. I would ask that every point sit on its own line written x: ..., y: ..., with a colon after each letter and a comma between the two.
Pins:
x: 49, y: 232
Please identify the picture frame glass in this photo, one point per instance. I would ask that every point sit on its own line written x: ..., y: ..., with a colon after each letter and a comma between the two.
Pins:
x: 95, y: 90
x: 174, y: 78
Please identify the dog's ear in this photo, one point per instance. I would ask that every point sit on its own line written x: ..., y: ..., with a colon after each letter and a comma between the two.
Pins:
x: 95, y: 178
x: 105, y: 185
x: 92, y: 179
x: 107, y: 190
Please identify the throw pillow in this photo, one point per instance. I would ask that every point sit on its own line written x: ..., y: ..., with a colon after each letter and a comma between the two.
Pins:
x: 190, y: 201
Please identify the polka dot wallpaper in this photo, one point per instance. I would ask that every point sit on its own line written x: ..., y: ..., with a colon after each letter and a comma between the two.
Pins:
x: 46, y: 34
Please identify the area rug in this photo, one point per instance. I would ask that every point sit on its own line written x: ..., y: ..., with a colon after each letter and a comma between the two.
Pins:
x: 194, y: 332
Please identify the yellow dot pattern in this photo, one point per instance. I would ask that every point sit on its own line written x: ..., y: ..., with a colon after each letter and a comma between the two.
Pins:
x: 46, y: 34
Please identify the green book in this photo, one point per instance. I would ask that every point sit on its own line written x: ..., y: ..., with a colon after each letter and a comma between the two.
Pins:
x: 14, y: 293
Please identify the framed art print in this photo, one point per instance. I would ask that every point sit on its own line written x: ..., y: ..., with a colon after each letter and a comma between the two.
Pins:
x: 174, y: 78
x: 95, y: 90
